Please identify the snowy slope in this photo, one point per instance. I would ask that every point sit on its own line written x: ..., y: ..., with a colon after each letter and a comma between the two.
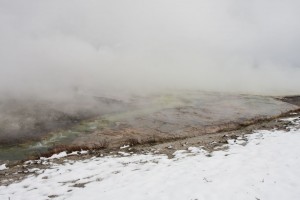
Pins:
x: 268, y: 167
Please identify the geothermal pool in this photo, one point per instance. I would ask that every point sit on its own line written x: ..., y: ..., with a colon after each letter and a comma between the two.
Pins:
x: 139, y: 119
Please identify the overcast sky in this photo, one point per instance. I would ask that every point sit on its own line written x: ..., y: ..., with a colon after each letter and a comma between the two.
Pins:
x: 138, y: 45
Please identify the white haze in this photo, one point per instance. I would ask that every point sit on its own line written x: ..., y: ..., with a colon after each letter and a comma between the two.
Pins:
x: 51, y: 47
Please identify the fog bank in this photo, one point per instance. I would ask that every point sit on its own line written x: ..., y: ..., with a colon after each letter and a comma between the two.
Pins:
x: 55, y: 48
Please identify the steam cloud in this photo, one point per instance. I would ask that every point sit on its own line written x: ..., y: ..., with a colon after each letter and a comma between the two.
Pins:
x: 49, y: 48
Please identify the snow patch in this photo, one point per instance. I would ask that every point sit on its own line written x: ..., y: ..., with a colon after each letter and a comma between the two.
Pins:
x: 125, y: 146
x: 3, y: 167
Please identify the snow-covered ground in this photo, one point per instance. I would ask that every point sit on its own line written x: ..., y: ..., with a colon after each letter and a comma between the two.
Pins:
x: 268, y: 167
